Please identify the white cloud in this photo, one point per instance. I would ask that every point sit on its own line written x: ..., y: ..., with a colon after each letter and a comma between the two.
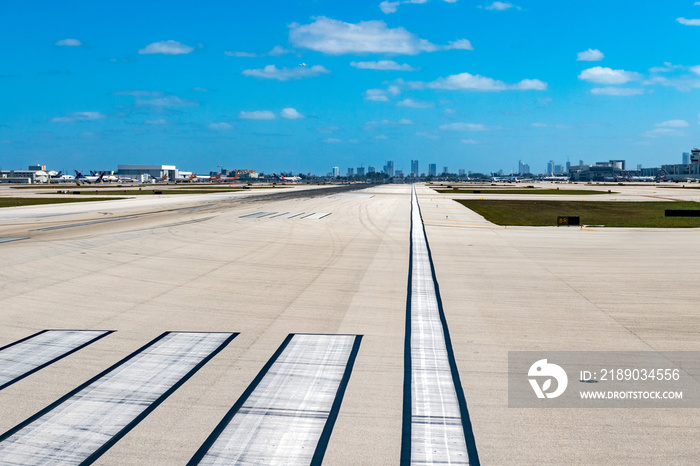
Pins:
x: 661, y: 132
x: 540, y: 125
x: 388, y: 7
x: 381, y: 137
x: 376, y: 95
x: 332, y: 140
x: 79, y: 116
x: 673, y: 124
x: 335, y: 37
x: 461, y: 44
x: 414, y: 104
x: 291, y: 114
x: 278, y: 51
x: 69, y: 43
x: 168, y: 101
x: 590, y: 55
x: 221, y: 126
x: 382, y: 65
x: 617, y: 91
x: 257, y: 115
x: 464, y: 127
x: 285, y: 74
x: 166, y: 47
x: 601, y: 75
x: 500, y: 6
x: 689, y: 22
x: 667, y: 68
x: 695, y: 69
x: 375, y: 123
x: 467, y: 81
x: 469, y: 141
x: 235, y: 53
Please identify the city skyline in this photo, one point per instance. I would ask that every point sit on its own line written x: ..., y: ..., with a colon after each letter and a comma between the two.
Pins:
x: 303, y: 87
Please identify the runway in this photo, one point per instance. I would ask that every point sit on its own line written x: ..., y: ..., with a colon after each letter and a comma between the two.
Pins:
x: 335, y: 265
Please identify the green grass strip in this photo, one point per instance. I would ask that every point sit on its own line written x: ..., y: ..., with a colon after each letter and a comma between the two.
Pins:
x: 565, y: 192
x: 609, y: 214
x: 22, y: 201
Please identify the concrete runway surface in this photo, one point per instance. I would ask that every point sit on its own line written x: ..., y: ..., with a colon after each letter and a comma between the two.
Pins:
x: 213, y: 264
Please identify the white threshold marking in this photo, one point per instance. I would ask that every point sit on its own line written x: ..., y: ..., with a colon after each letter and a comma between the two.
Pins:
x: 316, y: 216
x: 288, y: 215
x: 82, y: 425
x: 437, y: 434
x: 258, y: 214
x: 26, y: 356
x: 284, y: 417
x: 354, y: 196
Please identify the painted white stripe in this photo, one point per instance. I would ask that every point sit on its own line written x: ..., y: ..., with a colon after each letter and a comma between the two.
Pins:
x: 437, y: 435
x: 317, y: 215
x: 81, y: 424
x: 282, y: 420
x: 258, y: 214
x: 41, y: 349
x: 354, y: 196
x: 288, y: 215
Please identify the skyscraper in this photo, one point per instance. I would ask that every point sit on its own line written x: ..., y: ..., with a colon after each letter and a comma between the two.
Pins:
x: 414, y: 168
x: 336, y: 172
x: 389, y: 168
x: 686, y: 158
x: 360, y: 171
x: 432, y: 169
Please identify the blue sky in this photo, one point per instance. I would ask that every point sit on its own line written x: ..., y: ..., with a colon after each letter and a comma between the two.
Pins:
x: 307, y: 85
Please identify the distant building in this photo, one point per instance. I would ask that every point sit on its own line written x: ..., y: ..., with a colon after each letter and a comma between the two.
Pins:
x: 695, y: 156
x: 686, y: 158
x: 445, y: 171
x: 398, y: 174
x: 336, y: 172
x: 414, y: 168
x: 523, y: 168
x: 568, y: 165
x: 35, y: 174
x: 371, y: 169
x: 360, y: 171
x: 432, y: 169
x: 550, y: 167
x: 558, y: 169
x: 600, y: 171
x: 462, y: 172
x: 351, y: 171
x: 619, y: 164
x: 580, y: 162
x: 389, y: 168
x: 158, y: 172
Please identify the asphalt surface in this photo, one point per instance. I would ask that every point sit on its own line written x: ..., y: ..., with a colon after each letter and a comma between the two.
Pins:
x: 196, y: 263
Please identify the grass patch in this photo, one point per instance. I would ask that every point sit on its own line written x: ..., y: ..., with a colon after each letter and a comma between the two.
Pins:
x: 609, y: 214
x: 567, y: 192
x: 22, y: 201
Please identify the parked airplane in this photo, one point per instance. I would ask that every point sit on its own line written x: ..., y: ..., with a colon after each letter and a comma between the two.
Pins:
x: 60, y: 178
x: 80, y: 178
x: 554, y: 178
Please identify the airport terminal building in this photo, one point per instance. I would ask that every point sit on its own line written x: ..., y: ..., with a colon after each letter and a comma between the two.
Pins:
x: 154, y: 171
